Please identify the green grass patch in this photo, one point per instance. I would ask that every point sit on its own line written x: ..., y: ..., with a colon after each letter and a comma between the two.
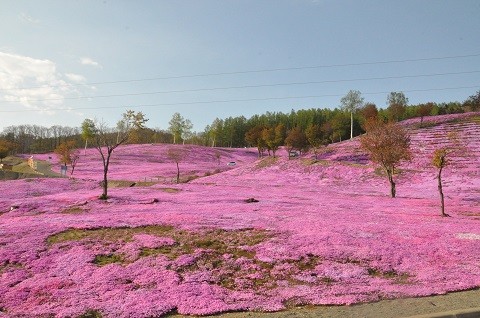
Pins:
x: 123, y: 234
x: 102, y: 259
x: 266, y: 162
x: 170, y: 251
x: 217, y: 251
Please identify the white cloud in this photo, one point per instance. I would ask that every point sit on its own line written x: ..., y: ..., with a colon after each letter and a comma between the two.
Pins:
x: 89, y: 61
x: 80, y: 79
x: 35, y: 83
x: 27, y: 18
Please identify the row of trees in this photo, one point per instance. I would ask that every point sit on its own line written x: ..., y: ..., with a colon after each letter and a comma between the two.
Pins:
x: 344, y: 122
x: 336, y: 124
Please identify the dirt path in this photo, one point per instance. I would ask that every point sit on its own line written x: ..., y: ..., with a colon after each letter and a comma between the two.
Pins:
x: 397, y: 308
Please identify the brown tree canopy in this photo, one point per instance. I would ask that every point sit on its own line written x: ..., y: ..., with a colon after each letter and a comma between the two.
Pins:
x: 5, y: 148
x: 397, y: 105
x: 387, y: 144
x: 64, y: 151
x: 254, y: 138
x: 273, y: 137
x: 424, y: 110
x: 296, y: 140
x: 369, y: 111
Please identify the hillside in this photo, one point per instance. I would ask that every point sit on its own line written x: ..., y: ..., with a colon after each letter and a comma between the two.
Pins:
x: 322, y: 232
x: 151, y: 162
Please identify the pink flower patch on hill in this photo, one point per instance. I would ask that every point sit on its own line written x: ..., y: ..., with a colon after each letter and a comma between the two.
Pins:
x: 318, y: 232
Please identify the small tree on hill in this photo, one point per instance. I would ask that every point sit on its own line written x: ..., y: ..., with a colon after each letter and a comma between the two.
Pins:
x: 106, y: 140
x: 442, y: 157
x: 176, y: 155
x: 68, y: 154
x: 296, y: 140
x: 218, y: 156
x: 440, y: 161
x: 387, y: 144
x: 424, y: 110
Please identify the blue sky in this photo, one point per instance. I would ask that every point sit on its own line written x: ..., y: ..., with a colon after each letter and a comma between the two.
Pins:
x: 64, y: 61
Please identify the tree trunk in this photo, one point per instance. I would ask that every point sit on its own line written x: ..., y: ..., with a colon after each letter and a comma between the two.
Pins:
x: 393, y: 191
x: 106, y: 162
x: 178, y: 173
x: 440, y: 190
x: 351, y: 125
x: 85, y: 151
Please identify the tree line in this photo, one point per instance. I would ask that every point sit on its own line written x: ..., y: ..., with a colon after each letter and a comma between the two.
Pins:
x: 308, y: 127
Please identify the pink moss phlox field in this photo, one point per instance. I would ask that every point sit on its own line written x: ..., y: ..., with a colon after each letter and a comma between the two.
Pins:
x: 322, y: 232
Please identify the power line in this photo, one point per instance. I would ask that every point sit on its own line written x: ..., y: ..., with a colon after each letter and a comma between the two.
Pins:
x: 255, y: 71
x: 247, y: 86
x: 229, y: 100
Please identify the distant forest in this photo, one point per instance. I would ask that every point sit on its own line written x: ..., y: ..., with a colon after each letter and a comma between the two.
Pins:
x: 332, y: 124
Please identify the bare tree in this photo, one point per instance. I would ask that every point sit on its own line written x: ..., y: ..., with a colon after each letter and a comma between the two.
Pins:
x: 387, y: 144
x: 218, y: 156
x: 442, y: 157
x: 176, y: 154
x: 106, y: 140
